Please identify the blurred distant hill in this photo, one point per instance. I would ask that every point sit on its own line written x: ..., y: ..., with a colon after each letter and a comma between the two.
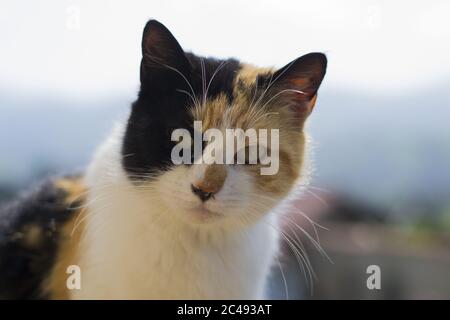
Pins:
x: 385, y: 148
x: 49, y: 136
x: 379, y: 148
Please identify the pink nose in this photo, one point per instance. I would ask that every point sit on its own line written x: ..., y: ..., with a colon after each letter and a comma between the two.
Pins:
x: 210, y: 184
x: 202, y: 193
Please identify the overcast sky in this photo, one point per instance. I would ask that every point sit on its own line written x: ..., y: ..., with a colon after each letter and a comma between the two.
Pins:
x: 92, y: 48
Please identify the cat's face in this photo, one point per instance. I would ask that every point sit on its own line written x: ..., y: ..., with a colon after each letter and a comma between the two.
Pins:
x: 178, y: 88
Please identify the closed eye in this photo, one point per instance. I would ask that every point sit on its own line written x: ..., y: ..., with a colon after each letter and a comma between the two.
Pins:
x: 247, y: 156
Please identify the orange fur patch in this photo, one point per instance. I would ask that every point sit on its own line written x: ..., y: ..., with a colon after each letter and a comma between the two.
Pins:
x: 71, y: 233
x: 259, y: 112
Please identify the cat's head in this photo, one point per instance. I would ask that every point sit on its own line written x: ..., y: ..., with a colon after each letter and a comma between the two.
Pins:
x: 178, y: 88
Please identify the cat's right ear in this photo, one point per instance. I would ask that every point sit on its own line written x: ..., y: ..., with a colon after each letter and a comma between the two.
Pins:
x: 299, y: 81
x: 162, y: 55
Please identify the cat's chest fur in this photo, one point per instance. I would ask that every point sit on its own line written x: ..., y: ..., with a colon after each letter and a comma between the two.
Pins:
x: 130, y: 251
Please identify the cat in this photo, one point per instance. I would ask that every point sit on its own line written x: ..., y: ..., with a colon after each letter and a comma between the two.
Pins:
x: 136, y: 226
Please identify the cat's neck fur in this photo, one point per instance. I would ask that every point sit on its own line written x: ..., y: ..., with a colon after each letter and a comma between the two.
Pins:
x: 131, y: 249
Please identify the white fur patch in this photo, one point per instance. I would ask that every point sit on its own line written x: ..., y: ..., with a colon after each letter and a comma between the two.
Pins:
x: 151, y: 241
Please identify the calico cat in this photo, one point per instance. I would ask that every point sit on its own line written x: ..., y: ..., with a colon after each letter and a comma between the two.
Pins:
x: 137, y: 226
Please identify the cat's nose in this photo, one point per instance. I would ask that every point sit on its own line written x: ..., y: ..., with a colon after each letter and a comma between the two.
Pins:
x: 209, y: 181
x: 202, y: 193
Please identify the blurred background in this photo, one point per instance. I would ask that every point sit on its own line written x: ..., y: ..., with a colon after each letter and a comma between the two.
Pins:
x: 381, y: 128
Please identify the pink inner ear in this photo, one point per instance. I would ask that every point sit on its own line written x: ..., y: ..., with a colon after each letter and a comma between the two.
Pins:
x: 301, y: 82
x: 305, y: 97
x: 301, y: 89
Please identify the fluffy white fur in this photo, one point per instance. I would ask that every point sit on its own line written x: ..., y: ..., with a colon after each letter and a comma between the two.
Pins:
x: 154, y: 241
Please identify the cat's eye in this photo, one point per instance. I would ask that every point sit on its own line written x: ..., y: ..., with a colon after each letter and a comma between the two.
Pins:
x: 247, y: 156
x: 204, y: 144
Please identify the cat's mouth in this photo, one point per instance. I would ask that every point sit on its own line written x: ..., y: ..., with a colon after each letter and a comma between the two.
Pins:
x: 203, y: 215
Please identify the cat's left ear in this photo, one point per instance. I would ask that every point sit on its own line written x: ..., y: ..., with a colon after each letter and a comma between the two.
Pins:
x: 299, y: 82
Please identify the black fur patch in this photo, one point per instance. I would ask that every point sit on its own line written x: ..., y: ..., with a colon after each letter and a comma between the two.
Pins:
x: 24, y: 265
x: 163, y: 102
